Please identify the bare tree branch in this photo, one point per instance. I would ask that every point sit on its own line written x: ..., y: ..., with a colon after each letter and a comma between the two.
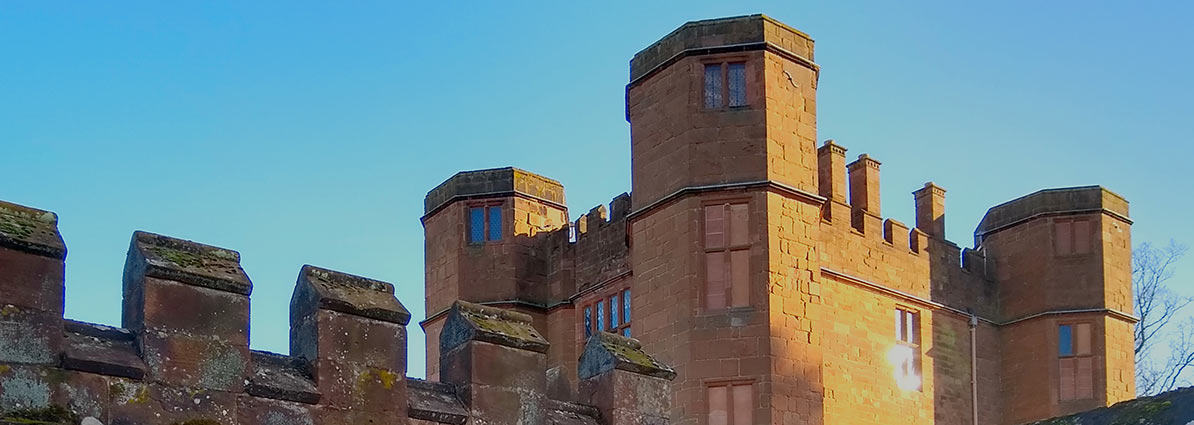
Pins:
x: 1156, y: 305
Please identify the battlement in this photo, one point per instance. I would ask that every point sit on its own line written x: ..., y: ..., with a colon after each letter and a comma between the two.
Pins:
x: 852, y: 198
x: 182, y: 353
x: 491, y: 183
x: 739, y: 33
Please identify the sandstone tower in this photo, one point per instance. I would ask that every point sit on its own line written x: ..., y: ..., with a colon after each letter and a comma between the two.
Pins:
x: 759, y: 263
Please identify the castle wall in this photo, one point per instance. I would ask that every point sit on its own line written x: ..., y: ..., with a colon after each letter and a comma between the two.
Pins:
x: 666, y: 298
x: 795, y: 299
x: 824, y: 271
x: 182, y: 356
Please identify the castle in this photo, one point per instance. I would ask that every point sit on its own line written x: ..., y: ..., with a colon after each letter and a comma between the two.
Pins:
x: 758, y: 263
x: 748, y: 277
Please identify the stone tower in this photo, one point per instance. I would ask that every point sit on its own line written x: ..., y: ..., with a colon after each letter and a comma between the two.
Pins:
x: 482, y: 228
x: 723, y: 144
x: 1062, y: 258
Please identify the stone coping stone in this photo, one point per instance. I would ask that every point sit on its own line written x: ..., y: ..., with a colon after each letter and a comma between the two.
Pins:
x: 30, y: 230
x: 562, y: 412
x: 474, y: 322
x: 607, y: 351
x: 435, y: 402
x: 281, y: 377
x: 351, y: 294
x: 187, y: 262
x: 101, y: 349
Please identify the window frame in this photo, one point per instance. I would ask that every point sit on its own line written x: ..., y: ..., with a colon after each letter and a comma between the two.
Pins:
x: 602, y: 309
x: 913, y: 342
x: 728, y: 248
x: 1075, y: 356
x: 1073, y: 237
x: 729, y: 385
x: 486, y: 229
x: 724, y: 102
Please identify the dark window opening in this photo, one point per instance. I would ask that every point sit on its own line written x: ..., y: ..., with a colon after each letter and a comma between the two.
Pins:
x: 725, y: 85
x: 484, y: 224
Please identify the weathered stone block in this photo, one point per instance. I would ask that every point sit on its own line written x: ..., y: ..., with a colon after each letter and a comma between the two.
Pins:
x: 31, y: 281
x: 195, y: 361
x: 29, y: 336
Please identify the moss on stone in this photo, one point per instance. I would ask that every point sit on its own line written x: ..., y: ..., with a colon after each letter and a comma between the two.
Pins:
x: 631, y: 355
x: 53, y: 414
x: 116, y: 388
x: 1141, y: 412
x: 15, y: 229
x: 179, y: 257
x: 507, y: 328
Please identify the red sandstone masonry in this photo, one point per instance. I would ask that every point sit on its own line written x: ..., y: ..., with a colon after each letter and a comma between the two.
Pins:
x: 827, y: 270
x: 182, y: 355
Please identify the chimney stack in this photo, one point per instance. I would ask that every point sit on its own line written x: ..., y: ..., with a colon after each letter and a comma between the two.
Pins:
x: 864, y: 195
x: 930, y: 210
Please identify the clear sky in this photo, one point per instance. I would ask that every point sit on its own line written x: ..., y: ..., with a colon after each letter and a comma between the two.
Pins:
x: 309, y: 132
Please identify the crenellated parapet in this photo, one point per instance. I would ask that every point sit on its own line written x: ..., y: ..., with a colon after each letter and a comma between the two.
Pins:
x: 601, y: 250
x: 182, y: 353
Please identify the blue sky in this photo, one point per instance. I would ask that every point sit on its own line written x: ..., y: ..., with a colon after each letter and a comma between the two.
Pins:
x: 300, y: 132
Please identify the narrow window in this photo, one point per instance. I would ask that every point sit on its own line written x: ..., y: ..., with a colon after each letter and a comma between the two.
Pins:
x: 476, y: 225
x: 713, y: 85
x: 1082, y: 236
x: 727, y: 256
x: 600, y: 310
x: 620, y: 302
x: 719, y: 405
x: 495, y: 223
x: 743, y: 404
x: 1064, y: 237
x: 588, y: 322
x: 626, y: 305
x: 905, y: 355
x: 1065, y: 340
x: 737, y: 82
x: 614, y: 307
x: 1075, y: 362
x: 730, y: 404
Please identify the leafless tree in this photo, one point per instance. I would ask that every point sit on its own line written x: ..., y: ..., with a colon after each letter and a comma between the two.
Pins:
x: 1157, y: 306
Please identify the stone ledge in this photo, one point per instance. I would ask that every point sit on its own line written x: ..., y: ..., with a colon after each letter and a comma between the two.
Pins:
x: 494, y: 182
x: 714, y: 33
